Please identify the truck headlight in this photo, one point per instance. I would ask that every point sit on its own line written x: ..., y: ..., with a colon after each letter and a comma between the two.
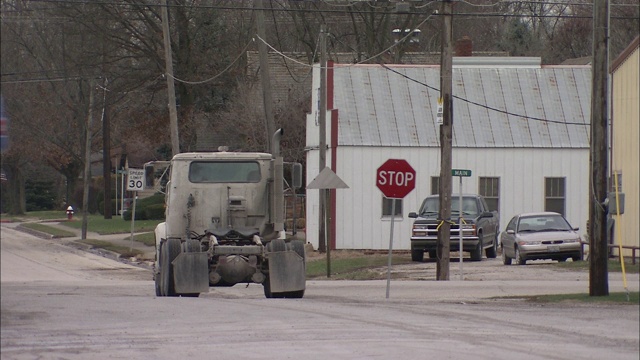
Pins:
x: 469, y: 229
x: 419, y: 230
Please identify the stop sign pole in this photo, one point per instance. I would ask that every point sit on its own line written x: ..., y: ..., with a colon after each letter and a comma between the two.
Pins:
x: 395, y: 178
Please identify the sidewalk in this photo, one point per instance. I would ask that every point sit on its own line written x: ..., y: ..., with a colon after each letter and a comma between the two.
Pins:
x: 123, y: 240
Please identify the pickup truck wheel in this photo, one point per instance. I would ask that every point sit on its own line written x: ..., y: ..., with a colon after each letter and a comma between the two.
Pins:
x: 476, y: 254
x: 417, y: 255
x: 505, y: 259
x: 168, y: 252
x: 433, y: 254
x: 492, y: 252
x: 519, y: 259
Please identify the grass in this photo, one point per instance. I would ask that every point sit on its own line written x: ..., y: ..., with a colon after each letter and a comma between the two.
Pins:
x: 124, y: 251
x: 618, y: 298
x: 36, y: 215
x: 95, y: 223
x: 613, y: 265
x: 148, y: 239
x: 353, y: 268
x: 49, y: 230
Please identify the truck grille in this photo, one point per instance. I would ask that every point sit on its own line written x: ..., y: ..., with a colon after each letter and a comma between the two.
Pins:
x: 431, y: 230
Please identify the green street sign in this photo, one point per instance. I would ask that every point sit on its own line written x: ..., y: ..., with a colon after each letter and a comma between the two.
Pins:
x: 460, y: 172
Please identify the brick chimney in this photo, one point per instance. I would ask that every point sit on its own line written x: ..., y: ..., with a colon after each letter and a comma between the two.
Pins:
x: 464, y: 47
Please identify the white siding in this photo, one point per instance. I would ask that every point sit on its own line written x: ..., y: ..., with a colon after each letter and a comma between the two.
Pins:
x: 359, y: 221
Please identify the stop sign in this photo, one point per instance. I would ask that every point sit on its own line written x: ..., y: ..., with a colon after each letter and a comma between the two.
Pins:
x: 396, y: 178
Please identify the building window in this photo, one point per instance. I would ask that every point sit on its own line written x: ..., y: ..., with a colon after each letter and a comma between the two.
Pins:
x: 490, y: 189
x: 435, y: 185
x: 387, y: 204
x: 554, y: 195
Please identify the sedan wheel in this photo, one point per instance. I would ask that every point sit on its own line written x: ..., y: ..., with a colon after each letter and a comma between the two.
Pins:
x: 505, y: 259
x: 519, y: 259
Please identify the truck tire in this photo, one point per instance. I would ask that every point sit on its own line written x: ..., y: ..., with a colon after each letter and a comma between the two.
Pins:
x: 294, y: 294
x: 276, y: 245
x: 492, y: 252
x: 156, y: 279
x: 298, y: 247
x: 476, y: 254
x: 417, y: 255
x: 433, y: 254
x: 168, y: 252
x: 192, y: 246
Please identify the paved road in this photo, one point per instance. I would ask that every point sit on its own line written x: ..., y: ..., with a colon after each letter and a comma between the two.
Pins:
x: 61, y: 303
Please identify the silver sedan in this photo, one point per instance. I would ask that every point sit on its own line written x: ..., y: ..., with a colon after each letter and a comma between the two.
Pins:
x: 543, y: 235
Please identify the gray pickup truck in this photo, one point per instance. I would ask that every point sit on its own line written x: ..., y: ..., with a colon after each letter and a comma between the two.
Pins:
x: 480, y: 227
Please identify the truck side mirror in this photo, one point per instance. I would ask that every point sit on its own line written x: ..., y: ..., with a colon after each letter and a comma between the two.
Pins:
x: 487, y: 214
x: 413, y: 215
x: 296, y: 175
x: 149, y: 175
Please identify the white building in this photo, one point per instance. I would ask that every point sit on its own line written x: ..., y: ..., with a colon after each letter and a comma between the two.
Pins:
x: 521, y: 128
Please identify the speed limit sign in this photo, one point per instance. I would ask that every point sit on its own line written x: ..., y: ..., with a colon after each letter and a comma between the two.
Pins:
x: 135, y: 180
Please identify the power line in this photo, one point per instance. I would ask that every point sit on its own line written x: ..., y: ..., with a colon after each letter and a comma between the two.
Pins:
x: 217, y: 75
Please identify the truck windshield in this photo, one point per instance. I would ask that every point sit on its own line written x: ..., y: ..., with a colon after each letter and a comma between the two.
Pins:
x: 224, y: 172
x: 432, y: 206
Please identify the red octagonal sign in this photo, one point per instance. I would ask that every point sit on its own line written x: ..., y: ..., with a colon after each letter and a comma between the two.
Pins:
x: 396, y: 178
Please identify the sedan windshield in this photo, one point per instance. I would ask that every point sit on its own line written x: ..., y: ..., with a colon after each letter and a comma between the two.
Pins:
x: 541, y: 223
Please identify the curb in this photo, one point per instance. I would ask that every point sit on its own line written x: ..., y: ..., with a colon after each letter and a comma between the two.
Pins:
x: 33, y: 232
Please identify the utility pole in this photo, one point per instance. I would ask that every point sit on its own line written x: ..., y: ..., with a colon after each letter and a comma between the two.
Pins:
x: 598, y: 272
x: 168, y: 59
x: 446, y: 86
x: 322, y: 147
x: 265, y: 78
x: 87, y: 164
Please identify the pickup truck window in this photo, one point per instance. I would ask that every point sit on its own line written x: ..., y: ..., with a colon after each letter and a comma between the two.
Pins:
x: 431, y: 205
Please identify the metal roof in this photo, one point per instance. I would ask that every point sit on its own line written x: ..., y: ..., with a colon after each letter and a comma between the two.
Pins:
x: 494, y: 106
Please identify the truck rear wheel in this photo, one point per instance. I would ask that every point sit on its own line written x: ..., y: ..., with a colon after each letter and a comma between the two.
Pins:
x: 279, y: 245
x: 168, y: 252
x: 298, y: 247
x: 492, y: 252
x: 192, y: 246
x: 476, y: 254
x: 417, y: 255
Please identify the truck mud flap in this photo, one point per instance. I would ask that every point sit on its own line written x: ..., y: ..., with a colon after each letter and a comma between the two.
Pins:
x: 286, y: 272
x: 191, y: 273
